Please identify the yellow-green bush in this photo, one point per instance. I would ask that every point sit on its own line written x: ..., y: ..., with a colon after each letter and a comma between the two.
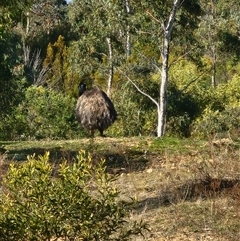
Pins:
x: 221, y: 115
x: 223, y: 123
x: 71, y: 202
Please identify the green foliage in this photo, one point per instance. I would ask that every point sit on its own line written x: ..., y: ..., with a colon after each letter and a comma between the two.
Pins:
x: 15, y: 8
x: 13, y: 126
x: 127, y: 123
x: 221, y: 114
x: 44, y: 114
x: 229, y: 93
x: 204, y: 40
x: 56, y: 60
x: 179, y: 125
x: 218, y: 123
x: 75, y: 201
x: 93, y: 24
x: 47, y: 21
x: 182, y: 110
x: 135, y: 113
x: 12, y: 85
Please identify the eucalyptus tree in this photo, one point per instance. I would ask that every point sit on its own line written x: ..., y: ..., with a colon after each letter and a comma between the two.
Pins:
x: 218, y: 33
x: 17, y: 68
x: 128, y: 40
x: 35, y: 23
x: 44, y: 16
x: 10, y: 15
x: 44, y: 21
x: 100, y: 26
x: 11, y: 90
x: 163, y: 25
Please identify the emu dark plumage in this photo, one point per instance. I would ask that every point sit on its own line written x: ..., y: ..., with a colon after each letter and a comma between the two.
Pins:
x: 94, y: 109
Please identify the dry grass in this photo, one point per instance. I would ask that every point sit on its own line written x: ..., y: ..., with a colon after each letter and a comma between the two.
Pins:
x: 188, y: 195
x: 184, y: 190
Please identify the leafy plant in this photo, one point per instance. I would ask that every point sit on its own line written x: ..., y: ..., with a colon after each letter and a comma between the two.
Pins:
x: 72, y: 201
x: 47, y: 114
x: 134, y: 114
x: 225, y: 123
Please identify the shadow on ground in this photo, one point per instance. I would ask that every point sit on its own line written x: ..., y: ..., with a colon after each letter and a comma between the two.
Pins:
x: 192, y: 190
x: 116, y: 161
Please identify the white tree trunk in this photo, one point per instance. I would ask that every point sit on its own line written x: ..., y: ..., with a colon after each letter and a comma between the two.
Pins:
x: 28, y: 23
x: 163, y: 89
x: 110, y: 74
x: 214, y: 60
x: 167, y: 30
x: 128, y: 45
x: 162, y: 103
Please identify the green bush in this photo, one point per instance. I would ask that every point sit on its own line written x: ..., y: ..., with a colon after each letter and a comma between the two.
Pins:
x: 179, y: 126
x: 182, y: 109
x: 70, y: 202
x: 45, y: 114
x: 131, y: 113
x: 223, y: 123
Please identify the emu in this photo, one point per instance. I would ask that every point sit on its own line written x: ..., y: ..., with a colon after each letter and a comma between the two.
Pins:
x: 94, y: 110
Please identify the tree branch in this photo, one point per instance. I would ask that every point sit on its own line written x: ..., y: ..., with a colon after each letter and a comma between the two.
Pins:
x: 180, y: 57
x: 193, y: 80
x: 138, y: 89
x: 153, y: 17
x: 152, y: 62
x: 172, y: 16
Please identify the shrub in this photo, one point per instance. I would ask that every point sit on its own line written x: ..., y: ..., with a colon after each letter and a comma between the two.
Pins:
x: 46, y: 114
x: 179, y: 126
x: 223, y: 123
x: 131, y: 113
x: 182, y: 109
x: 72, y: 202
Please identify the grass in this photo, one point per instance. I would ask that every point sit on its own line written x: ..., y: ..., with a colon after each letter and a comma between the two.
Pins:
x: 184, y: 189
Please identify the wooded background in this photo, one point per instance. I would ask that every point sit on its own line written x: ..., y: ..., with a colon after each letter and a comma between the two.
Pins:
x: 171, y: 67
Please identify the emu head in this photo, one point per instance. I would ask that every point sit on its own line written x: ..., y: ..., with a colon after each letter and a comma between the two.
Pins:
x: 81, y: 88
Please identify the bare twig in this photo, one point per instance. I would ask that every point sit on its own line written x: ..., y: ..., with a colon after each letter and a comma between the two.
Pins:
x: 42, y: 75
x: 152, y: 62
x: 194, y: 80
x: 34, y: 62
x: 153, y: 17
x: 180, y: 57
x: 138, y: 89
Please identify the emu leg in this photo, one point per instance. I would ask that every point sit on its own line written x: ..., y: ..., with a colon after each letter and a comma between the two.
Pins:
x: 101, y: 133
x: 91, y: 133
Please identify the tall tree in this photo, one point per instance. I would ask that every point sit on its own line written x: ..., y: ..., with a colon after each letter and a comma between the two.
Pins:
x: 100, y: 36
x: 157, y: 28
x: 167, y: 33
x: 42, y: 23
x: 11, y: 84
x: 128, y: 40
x: 18, y: 64
x: 219, y: 36
x: 56, y: 62
x: 45, y: 16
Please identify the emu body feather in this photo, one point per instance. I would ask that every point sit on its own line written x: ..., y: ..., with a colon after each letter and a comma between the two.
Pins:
x: 94, y: 110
